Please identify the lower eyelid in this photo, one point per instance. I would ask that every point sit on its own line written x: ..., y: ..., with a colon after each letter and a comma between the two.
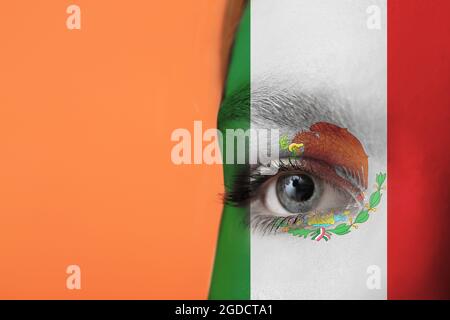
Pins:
x: 268, y: 223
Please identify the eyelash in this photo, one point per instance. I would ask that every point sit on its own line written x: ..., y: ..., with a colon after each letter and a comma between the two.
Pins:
x: 247, y: 184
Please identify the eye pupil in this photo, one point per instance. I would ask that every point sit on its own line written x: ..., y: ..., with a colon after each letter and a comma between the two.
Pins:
x: 300, y: 188
x: 294, y: 190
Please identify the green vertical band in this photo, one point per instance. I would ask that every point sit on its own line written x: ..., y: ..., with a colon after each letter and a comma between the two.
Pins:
x: 231, y: 273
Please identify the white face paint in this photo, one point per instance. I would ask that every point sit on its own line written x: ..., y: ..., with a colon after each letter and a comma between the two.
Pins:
x: 335, y: 52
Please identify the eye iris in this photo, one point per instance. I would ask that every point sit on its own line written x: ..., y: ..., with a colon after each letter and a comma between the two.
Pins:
x: 299, y: 188
x: 294, y: 191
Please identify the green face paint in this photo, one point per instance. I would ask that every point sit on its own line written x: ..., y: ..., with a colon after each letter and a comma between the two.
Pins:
x: 231, y: 274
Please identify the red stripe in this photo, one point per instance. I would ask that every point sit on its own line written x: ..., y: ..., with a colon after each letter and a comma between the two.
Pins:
x: 321, y: 234
x: 418, y: 149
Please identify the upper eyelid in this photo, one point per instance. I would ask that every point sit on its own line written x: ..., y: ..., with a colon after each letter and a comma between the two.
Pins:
x: 355, y: 187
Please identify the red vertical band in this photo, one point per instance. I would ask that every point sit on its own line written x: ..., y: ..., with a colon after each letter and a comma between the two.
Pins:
x: 419, y: 149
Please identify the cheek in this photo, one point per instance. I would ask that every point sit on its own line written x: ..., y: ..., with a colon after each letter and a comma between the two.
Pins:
x: 282, y: 267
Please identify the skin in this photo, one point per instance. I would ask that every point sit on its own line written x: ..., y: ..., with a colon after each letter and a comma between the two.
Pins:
x: 319, y: 51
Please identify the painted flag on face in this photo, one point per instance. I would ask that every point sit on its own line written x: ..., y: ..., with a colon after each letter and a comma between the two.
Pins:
x: 350, y: 207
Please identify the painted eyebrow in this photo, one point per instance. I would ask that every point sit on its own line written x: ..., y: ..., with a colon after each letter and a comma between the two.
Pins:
x: 283, y: 108
x: 295, y: 111
x: 291, y: 111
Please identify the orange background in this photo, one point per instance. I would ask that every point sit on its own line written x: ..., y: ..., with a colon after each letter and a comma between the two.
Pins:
x: 86, y: 176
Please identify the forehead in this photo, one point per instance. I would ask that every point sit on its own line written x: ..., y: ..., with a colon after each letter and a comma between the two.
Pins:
x: 316, y: 60
x: 314, y: 41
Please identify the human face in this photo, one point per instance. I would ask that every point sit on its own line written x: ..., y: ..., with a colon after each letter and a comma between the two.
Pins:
x: 317, y: 62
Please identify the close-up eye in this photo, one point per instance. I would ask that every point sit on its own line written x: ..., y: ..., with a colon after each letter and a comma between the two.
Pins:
x: 319, y: 184
x: 304, y: 190
x: 301, y: 193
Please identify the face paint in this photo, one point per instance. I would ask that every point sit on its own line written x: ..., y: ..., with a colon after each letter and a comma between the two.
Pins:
x: 319, y: 78
x: 231, y: 273
x: 332, y: 144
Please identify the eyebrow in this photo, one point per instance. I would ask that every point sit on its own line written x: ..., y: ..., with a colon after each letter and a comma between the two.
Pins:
x: 291, y: 111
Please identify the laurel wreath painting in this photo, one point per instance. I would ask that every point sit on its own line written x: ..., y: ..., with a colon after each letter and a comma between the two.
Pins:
x: 319, y: 233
